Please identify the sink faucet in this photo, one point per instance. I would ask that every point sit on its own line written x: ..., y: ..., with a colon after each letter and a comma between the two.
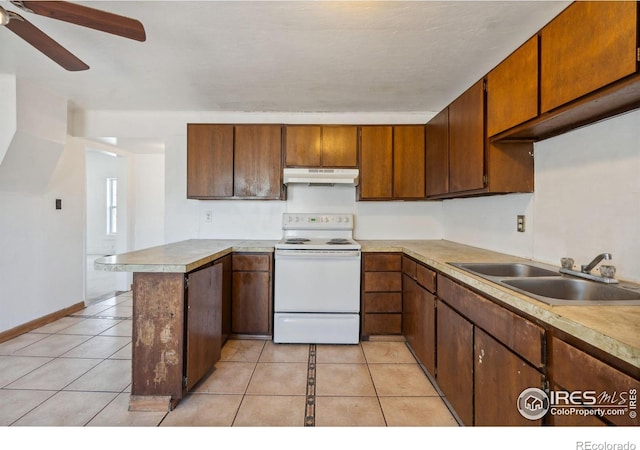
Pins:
x: 589, y: 267
x: 585, y: 270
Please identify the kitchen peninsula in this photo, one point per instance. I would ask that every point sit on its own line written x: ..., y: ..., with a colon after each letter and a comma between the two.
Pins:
x: 168, y: 277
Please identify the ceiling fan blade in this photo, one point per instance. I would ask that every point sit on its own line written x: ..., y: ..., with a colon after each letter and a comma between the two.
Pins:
x: 30, y: 33
x: 86, y: 17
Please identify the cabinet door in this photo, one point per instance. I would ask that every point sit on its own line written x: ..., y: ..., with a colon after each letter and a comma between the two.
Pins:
x: 589, y: 45
x: 410, y: 312
x: 226, y: 297
x: 340, y: 146
x: 303, y: 145
x: 500, y: 376
x: 209, y: 161
x: 258, y: 161
x: 251, y: 307
x: 419, y: 322
x: 426, y: 330
x: 437, y: 154
x: 454, y: 344
x: 466, y: 140
x: 376, y: 162
x: 612, y: 387
x: 512, y: 89
x: 408, y: 162
x: 204, y: 322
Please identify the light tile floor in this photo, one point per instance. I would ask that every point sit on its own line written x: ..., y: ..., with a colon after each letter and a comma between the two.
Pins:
x: 76, y: 371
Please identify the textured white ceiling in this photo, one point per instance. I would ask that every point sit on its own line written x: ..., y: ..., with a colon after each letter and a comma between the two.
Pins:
x: 290, y: 56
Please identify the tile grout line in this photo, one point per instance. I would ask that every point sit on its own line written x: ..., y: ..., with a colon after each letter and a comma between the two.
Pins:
x: 310, y: 407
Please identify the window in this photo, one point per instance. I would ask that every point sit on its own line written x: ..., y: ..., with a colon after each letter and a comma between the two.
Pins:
x: 112, y: 205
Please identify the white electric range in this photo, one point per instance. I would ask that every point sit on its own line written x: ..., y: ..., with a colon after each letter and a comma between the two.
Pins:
x: 317, y: 280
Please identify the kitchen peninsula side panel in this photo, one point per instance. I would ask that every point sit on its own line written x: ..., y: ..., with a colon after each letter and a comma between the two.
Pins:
x: 158, y: 340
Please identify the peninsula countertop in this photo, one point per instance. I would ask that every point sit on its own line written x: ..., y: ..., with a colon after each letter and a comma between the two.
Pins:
x: 180, y: 257
x: 613, y: 329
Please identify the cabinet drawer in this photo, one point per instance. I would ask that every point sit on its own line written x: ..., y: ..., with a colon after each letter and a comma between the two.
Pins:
x: 409, y: 267
x: 382, y: 302
x: 426, y: 278
x: 381, y: 262
x: 382, y: 324
x: 383, y: 282
x: 251, y: 262
x: 517, y: 333
x: 575, y: 370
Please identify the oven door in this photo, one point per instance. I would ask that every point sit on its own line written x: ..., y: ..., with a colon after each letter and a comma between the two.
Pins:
x: 317, y: 281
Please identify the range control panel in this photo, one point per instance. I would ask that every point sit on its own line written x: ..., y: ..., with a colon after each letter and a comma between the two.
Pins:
x: 300, y: 221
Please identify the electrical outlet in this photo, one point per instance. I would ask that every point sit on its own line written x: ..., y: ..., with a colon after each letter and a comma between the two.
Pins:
x: 521, y: 224
x: 208, y: 216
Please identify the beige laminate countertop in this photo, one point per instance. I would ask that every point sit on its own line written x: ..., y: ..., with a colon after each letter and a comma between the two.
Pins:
x: 613, y: 329
x: 181, y: 257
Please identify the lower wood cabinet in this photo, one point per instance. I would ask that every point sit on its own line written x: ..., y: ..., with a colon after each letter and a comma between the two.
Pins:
x: 381, y: 311
x: 225, y: 261
x: 419, y: 312
x: 204, y: 322
x: 499, y: 377
x: 252, y: 298
x: 454, y: 346
x: 177, y: 334
x: 575, y: 371
x: 486, y: 356
x: 382, y: 294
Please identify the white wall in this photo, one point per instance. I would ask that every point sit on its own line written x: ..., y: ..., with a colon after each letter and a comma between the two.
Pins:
x: 587, y: 197
x: 42, y: 258
x: 586, y: 201
x: 147, y: 208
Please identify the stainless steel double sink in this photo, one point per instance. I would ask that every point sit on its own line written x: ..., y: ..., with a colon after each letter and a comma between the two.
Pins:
x: 550, y: 286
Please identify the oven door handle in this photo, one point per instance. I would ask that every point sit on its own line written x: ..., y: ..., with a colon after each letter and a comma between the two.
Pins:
x: 317, y: 254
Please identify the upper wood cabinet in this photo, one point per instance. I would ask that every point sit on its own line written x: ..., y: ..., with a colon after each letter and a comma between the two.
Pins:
x: 408, y: 162
x: 321, y: 146
x: 392, y: 162
x: 257, y: 161
x: 461, y: 162
x: 437, y: 154
x: 456, y: 146
x: 234, y: 161
x: 209, y: 160
x: 587, y: 46
x: 376, y: 162
x: 512, y: 89
x: 466, y: 140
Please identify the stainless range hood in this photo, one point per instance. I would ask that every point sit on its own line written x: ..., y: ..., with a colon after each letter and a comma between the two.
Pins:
x: 321, y: 177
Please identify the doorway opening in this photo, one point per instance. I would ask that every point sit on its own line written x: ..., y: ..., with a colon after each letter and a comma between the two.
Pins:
x: 106, y: 174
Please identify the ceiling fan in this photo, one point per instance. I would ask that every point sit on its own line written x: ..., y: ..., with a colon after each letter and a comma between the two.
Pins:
x: 72, y: 13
